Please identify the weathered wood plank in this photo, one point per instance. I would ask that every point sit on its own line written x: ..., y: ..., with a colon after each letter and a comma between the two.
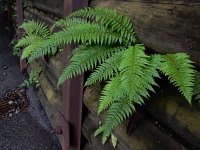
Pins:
x: 171, y: 108
x: 50, y: 100
x: 52, y: 70
x: 56, y: 64
x: 90, y: 124
x: 34, y: 14
x: 49, y: 90
x: 165, y: 26
x: 50, y: 73
x: 50, y: 6
x: 51, y: 113
x: 145, y: 137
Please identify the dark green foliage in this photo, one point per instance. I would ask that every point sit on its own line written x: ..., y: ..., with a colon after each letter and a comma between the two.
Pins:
x: 15, y: 51
x: 107, y: 45
x: 178, y: 67
x: 35, y: 33
x: 33, y: 79
x: 106, y: 70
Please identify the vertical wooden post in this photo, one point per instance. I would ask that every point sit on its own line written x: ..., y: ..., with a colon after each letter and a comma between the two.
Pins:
x: 72, y: 91
x: 19, y: 5
x: 20, y: 19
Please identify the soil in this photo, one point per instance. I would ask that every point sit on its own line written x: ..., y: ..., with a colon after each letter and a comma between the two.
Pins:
x: 13, y: 102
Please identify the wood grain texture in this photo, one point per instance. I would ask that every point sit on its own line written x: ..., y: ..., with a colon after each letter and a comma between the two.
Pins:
x: 145, y: 137
x: 172, y: 109
x: 54, y: 7
x: 49, y: 98
x: 166, y: 26
x: 53, y: 69
x: 49, y: 90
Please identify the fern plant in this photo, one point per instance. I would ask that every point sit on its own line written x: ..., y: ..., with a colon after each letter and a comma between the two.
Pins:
x: 35, y: 32
x: 108, y: 45
x: 33, y: 79
x: 15, y: 51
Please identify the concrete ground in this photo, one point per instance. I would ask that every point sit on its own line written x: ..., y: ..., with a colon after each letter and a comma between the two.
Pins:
x: 30, y: 129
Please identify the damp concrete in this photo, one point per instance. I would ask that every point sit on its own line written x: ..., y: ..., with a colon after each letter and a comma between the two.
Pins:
x: 29, y: 129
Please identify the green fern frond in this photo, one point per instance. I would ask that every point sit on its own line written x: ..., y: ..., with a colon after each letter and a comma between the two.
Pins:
x: 81, y: 34
x: 98, y: 131
x: 49, y: 46
x: 151, y: 72
x: 86, y: 58
x: 114, y: 140
x: 28, y: 40
x: 178, y: 67
x: 110, y: 19
x: 134, y: 79
x: 35, y: 33
x: 92, y: 34
x: 33, y: 79
x: 106, y: 70
x: 117, y: 113
x: 27, y: 52
x: 82, y: 31
x: 69, y: 22
x: 35, y: 28
x: 154, y: 65
x: 111, y: 92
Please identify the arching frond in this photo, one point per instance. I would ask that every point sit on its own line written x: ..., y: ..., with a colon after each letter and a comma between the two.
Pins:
x: 132, y: 69
x: 109, y: 18
x: 117, y: 113
x: 81, y: 34
x: 81, y: 31
x: 35, y: 28
x: 111, y: 92
x: 69, y: 22
x: 35, y: 33
x: 27, y: 52
x: 178, y: 67
x: 28, y: 40
x: 151, y: 72
x: 85, y: 58
x: 106, y: 70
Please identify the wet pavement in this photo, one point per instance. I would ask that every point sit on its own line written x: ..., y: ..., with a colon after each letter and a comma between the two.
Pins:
x: 29, y: 129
